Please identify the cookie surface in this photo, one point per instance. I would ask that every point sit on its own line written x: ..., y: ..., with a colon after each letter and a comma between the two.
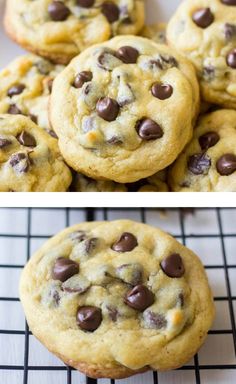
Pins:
x: 30, y: 159
x: 123, y: 110
x: 155, y: 32
x: 26, y: 84
x: 208, y: 163
x: 60, y: 30
x: 205, y: 32
x: 132, y: 292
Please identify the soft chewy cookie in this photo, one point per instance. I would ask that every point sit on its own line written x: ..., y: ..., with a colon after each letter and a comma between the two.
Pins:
x: 205, y: 32
x: 59, y: 30
x: 26, y: 84
x: 208, y: 163
x: 29, y: 158
x: 123, y: 110
x: 155, y: 32
x: 132, y: 292
x: 155, y: 183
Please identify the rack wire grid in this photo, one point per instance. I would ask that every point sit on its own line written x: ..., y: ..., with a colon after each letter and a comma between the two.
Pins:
x: 211, y: 233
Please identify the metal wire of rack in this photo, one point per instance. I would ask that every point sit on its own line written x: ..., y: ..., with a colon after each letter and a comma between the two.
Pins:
x: 90, y: 214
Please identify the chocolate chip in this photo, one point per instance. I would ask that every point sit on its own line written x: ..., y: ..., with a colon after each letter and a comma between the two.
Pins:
x: 208, y: 73
x: 58, y: 11
x: 89, y: 318
x: 181, y: 299
x: 126, y: 243
x: 229, y: 2
x: 15, y: 90
x: 203, y: 17
x: 26, y: 139
x: 140, y: 297
x: 226, y: 164
x: 76, y: 284
x: 111, y: 11
x: 4, y: 142
x: 64, y: 268
x: 14, y: 110
x: 154, y: 320
x: 50, y: 84
x: 161, y: 91
x: 108, y: 61
x: 173, y: 265
x: 82, y: 77
x: 112, y: 313
x: 148, y: 129
x: 114, y: 140
x: 130, y: 273
x: 208, y: 140
x: 90, y: 244
x: 107, y: 108
x: 231, y: 59
x: 20, y: 162
x: 85, y: 3
x: 199, y: 163
x: 51, y: 294
x: 52, y: 133
x: 229, y: 31
x: 168, y: 61
x: 127, y: 54
x: 78, y: 236
x: 33, y: 118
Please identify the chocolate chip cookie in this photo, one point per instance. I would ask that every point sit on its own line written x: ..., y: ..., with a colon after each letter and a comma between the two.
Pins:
x: 116, y: 298
x: 208, y: 163
x: 205, y: 32
x: 60, y: 30
x: 26, y: 84
x: 123, y: 110
x: 29, y: 158
x: 155, y: 32
x: 155, y: 183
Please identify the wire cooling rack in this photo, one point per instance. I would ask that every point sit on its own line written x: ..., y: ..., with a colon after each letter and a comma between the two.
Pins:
x: 211, y: 233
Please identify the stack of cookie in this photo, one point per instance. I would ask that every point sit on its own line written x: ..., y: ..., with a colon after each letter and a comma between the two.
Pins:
x: 122, y: 112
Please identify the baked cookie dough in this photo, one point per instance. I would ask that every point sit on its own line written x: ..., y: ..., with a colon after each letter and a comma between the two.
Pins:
x: 208, y: 163
x: 123, y: 110
x: 205, y: 32
x: 155, y: 32
x: 155, y: 183
x: 132, y: 292
x: 30, y: 160
x: 26, y: 84
x: 60, y: 30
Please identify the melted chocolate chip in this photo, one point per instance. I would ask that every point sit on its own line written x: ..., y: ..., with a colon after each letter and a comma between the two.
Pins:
x: 148, y: 129
x: 14, y: 110
x: 85, y: 3
x: 231, y: 59
x: 20, y: 162
x: 208, y: 140
x: 203, y: 17
x: 111, y: 11
x: 107, y: 108
x: 173, y: 265
x: 154, y: 320
x: 114, y: 140
x: 26, y: 139
x: 82, y: 77
x: 226, y: 164
x: 58, y: 11
x: 199, y: 163
x: 230, y: 31
x: 89, y: 318
x: 15, y: 90
x: 4, y: 142
x: 229, y: 2
x: 127, y: 54
x: 126, y: 243
x: 64, y: 268
x: 112, y: 313
x: 90, y: 244
x: 130, y: 273
x: 161, y: 91
x: 140, y: 298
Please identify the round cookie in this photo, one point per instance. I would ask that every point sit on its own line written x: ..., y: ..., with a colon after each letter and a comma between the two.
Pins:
x: 30, y: 159
x: 123, y: 110
x: 205, y: 32
x: 155, y: 32
x: 60, y: 30
x: 155, y: 183
x: 132, y: 292
x: 208, y: 163
x: 26, y: 84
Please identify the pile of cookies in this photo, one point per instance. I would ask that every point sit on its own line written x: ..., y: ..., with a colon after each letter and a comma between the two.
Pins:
x: 103, y: 108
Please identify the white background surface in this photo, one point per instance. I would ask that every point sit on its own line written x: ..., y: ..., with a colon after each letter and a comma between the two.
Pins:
x: 218, y: 349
